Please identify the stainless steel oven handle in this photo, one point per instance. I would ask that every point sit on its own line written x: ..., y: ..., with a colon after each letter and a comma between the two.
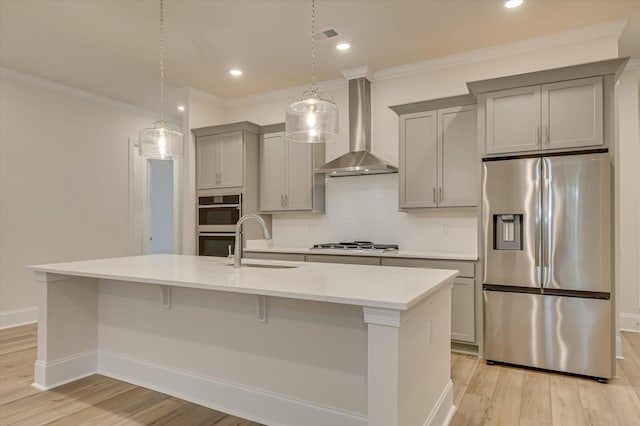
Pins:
x: 218, y: 206
x: 217, y: 234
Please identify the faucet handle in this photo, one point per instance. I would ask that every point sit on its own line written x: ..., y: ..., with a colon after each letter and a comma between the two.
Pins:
x: 230, y: 256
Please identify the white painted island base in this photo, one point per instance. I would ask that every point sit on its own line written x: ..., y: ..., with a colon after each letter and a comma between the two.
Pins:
x: 275, y: 360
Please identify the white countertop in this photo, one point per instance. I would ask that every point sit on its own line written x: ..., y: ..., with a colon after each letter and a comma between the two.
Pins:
x: 440, y: 255
x: 370, y: 286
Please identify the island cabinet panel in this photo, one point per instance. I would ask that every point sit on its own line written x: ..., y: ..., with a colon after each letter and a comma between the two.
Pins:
x: 438, y: 158
x: 559, y: 115
x: 287, y: 181
x: 220, y: 161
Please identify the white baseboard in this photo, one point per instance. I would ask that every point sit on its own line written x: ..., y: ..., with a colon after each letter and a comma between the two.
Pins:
x: 18, y: 317
x: 629, y: 322
x: 49, y: 375
x: 619, y: 348
x: 442, y: 413
x: 266, y: 408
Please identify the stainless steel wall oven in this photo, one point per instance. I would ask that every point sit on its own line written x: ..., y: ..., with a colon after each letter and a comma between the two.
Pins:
x: 217, y: 218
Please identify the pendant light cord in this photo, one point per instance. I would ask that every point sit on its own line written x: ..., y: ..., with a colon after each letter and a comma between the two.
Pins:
x: 313, y: 46
x: 162, y: 61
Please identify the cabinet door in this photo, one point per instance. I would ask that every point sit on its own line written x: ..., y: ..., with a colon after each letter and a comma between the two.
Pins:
x: 463, y: 312
x: 299, y: 176
x: 513, y: 120
x: 231, y: 160
x: 572, y: 113
x: 206, y: 158
x: 458, y: 154
x: 272, y: 172
x: 418, y: 160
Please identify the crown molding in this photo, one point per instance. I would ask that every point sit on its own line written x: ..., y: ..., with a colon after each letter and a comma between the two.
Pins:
x: 607, y: 29
x: 633, y: 64
x: 284, y: 94
x: 359, y: 72
x: 34, y: 81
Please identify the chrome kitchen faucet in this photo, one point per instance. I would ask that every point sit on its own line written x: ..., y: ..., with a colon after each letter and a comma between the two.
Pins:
x: 237, y: 253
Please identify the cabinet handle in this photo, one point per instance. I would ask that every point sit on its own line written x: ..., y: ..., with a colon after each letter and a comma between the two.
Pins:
x: 281, y: 200
x: 434, y: 194
x: 538, y: 132
x: 440, y: 194
x: 546, y: 128
x: 286, y: 201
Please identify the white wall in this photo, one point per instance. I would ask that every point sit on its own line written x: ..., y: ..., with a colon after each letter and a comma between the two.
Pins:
x: 628, y: 201
x: 63, y: 186
x: 201, y: 110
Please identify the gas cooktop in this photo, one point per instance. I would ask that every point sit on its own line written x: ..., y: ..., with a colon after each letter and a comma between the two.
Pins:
x: 357, y: 245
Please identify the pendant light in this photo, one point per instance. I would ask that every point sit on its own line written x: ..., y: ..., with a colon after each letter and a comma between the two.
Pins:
x: 163, y: 141
x: 312, y: 119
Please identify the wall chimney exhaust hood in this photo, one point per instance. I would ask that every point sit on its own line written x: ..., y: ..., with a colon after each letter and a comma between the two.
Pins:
x: 359, y: 160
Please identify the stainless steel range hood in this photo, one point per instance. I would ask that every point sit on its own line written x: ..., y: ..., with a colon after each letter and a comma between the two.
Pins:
x: 359, y: 160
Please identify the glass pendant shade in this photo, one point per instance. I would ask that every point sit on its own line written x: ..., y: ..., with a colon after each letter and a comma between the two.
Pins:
x: 311, y: 119
x: 162, y: 142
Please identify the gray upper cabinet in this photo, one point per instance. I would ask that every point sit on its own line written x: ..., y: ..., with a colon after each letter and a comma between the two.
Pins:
x: 287, y: 181
x: 565, y: 114
x: 418, y: 160
x: 457, y: 153
x: 220, y: 161
x: 572, y: 113
x: 438, y: 158
x: 513, y: 120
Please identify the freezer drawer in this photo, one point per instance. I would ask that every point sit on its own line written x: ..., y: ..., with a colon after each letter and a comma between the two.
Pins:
x: 568, y: 334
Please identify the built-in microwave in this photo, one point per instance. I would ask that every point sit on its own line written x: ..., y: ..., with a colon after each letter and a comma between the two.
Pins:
x: 219, y: 244
x: 219, y: 213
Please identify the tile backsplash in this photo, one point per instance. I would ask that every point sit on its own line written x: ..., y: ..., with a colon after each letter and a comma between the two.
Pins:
x: 366, y: 208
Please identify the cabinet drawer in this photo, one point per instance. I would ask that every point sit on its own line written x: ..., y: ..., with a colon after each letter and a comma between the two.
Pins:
x: 355, y: 260
x: 292, y: 257
x: 467, y: 269
x: 463, y: 310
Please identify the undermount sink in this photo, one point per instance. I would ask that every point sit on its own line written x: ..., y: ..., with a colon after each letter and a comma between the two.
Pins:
x: 260, y: 265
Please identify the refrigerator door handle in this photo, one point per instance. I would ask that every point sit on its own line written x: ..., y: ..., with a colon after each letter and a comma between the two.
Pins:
x: 546, y: 222
x: 538, y: 224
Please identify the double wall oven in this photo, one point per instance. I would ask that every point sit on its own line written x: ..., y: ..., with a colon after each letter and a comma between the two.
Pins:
x: 217, y: 218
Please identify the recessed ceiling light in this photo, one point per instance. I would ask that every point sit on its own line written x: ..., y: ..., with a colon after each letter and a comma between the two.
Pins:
x: 236, y: 72
x: 343, y: 46
x: 512, y: 3
x: 180, y: 107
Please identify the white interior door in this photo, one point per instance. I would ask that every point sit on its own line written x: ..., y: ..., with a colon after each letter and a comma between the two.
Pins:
x: 154, y: 204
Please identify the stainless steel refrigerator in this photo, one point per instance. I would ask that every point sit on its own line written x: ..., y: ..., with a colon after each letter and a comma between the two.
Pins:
x: 547, y: 281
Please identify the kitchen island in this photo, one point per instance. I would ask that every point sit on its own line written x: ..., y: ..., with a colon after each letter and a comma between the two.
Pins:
x: 281, y: 343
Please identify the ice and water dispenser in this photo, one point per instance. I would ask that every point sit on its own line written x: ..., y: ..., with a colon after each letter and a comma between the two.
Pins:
x: 507, y: 231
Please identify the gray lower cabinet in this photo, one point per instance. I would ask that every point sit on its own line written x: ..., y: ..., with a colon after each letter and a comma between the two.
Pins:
x: 438, y: 158
x: 463, y: 294
x: 463, y: 302
x: 287, y: 181
x: 353, y: 260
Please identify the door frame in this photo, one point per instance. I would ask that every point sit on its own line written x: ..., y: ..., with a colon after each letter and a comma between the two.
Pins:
x: 140, y: 202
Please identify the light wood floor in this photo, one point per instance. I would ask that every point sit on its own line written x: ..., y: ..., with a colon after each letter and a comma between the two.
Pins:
x: 484, y: 395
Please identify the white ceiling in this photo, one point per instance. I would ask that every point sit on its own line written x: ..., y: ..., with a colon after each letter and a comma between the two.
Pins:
x: 110, y: 47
